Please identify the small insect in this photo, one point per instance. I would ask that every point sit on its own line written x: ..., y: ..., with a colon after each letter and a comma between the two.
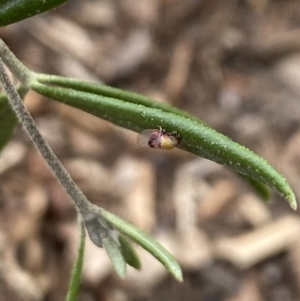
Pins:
x: 158, y: 138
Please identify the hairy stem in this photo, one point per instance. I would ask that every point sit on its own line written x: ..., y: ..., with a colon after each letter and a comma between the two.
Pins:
x: 20, y: 72
x: 28, y: 123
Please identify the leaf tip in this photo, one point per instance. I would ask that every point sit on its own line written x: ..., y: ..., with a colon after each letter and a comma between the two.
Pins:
x: 176, y: 272
x: 293, y: 203
x: 180, y: 278
x: 121, y: 273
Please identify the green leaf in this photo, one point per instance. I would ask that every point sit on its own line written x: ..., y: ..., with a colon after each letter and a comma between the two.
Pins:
x: 8, y: 121
x: 129, y: 253
x: 261, y: 189
x: 103, y: 90
x: 195, y: 137
x: 145, y: 241
x: 12, y: 11
x: 74, y: 284
x: 103, y: 234
x: 127, y: 96
x: 115, y: 255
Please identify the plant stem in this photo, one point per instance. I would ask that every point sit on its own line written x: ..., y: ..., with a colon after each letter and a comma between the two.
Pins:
x: 96, y: 225
x: 74, y: 283
x: 20, y: 72
x: 28, y: 123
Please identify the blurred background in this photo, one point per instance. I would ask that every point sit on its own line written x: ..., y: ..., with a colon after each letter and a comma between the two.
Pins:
x: 235, y: 65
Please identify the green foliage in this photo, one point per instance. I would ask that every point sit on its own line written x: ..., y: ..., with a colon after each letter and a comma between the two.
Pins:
x: 195, y: 137
x: 145, y: 241
x: 129, y: 253
x: 8, y: 121
x: 74, y: 284
x: 115, y: 255
x: 262, y: 190
x: 12, y: 11
x: 134, y: 112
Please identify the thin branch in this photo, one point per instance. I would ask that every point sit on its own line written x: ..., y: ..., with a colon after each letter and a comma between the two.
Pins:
x: 20, y: 72
x: 28, y: 123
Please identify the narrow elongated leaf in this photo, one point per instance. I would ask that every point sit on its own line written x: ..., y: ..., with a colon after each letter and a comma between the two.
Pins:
x: 195, y: 137
x: 115, y: 255
x: 103, y: 90
x: 74, y: 284
x: 12, y: 11
x: 129, y: 253
x: 147, y: 242
x: 111, y: 92
x: 8, y: 121
x: 261, y: 189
